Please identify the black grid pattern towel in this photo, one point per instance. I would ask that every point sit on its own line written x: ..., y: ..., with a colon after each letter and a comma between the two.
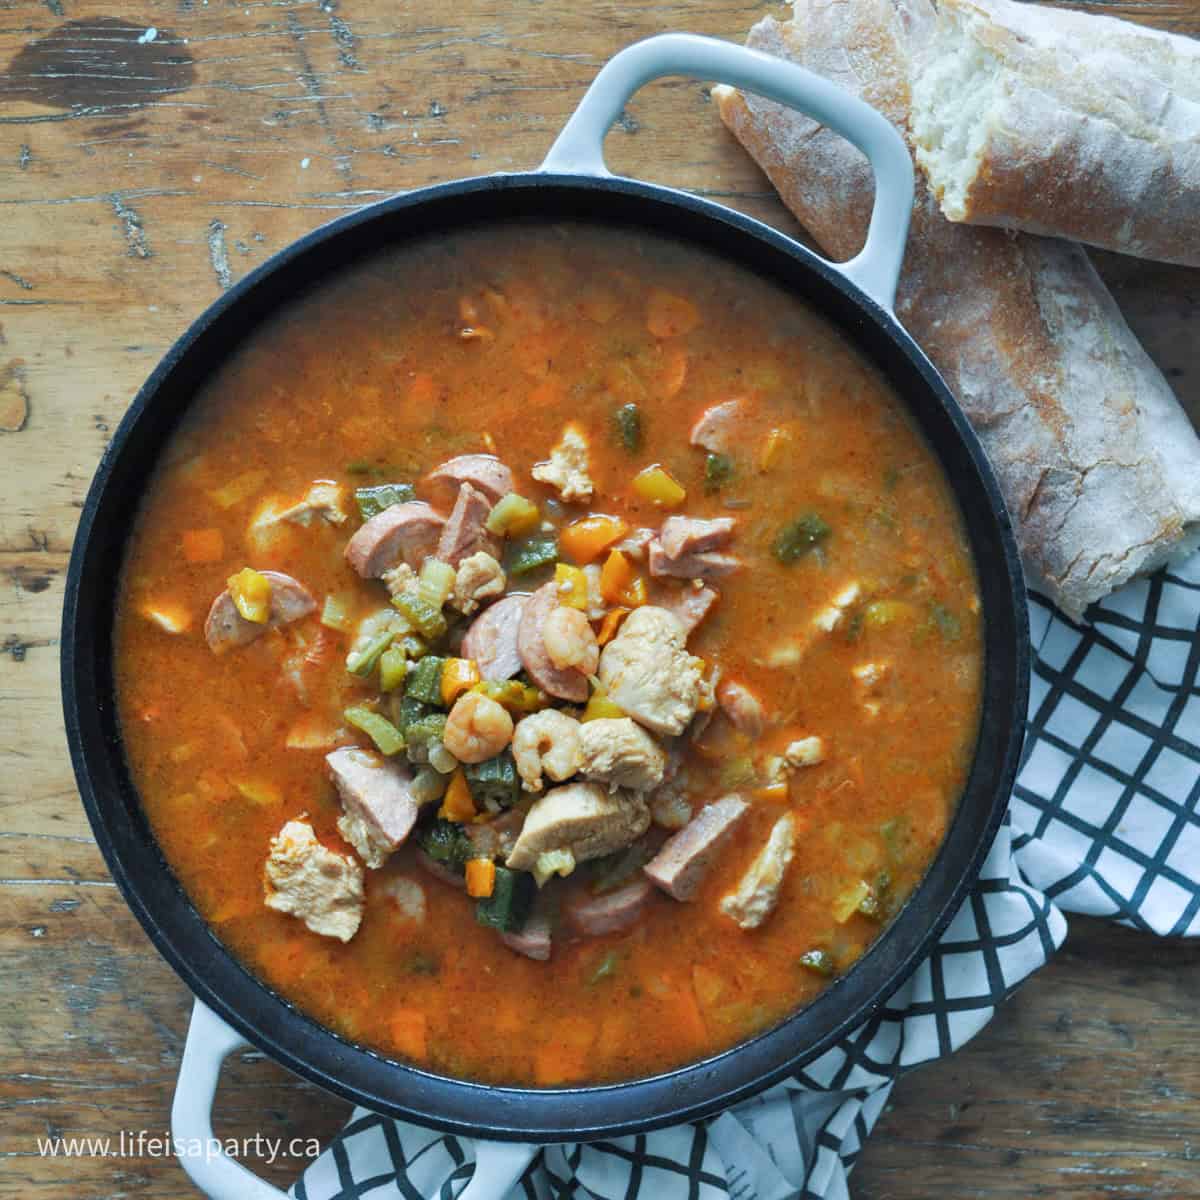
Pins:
x: 1105, y: 819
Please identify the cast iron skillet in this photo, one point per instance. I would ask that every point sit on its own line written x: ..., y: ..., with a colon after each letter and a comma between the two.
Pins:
x: 572, y: 184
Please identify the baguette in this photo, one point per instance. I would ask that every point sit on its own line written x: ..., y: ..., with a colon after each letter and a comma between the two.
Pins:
x: 1062, y: 123
x: 1098, y: 463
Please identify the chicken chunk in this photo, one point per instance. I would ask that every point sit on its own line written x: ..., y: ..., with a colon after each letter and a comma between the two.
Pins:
x: 742, y: 707
x: 621, y: 754
x: 680, y: 866
x: 584, y: 819
x: 566, y: 470
x: 805, y: 752
x: 306, y: 880
x: 758, y: 892
x: 648, y: 673
x: 478, y: 578
x: 378, y: 808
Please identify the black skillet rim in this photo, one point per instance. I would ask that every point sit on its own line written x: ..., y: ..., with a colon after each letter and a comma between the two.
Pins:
x: 362, y: 1075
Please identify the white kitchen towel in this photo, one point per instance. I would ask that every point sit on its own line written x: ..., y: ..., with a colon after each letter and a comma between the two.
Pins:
x: 1105, y: 819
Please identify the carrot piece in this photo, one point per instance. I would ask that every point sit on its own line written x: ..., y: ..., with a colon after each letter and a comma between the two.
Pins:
x: 203, y: 545
x: 458, y: 675
x: 688, y: 1018
x: 457, y: 804
x: 586, y: 539
x: 610, y: 625
x: 668, y: 315
x: 481, y: 877
x: 410, y: 1029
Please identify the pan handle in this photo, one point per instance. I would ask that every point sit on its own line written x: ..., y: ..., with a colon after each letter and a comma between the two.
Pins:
x: 498, y: 1165
x: 579, y: 148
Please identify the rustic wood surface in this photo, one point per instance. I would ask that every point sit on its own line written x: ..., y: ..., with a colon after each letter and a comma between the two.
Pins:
x: 139, y: 176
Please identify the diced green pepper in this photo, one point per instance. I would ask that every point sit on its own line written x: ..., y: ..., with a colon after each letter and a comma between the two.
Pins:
x: 393, y: 666
x: 718, y: 471
x: 538, y: 551
x: 426, y: 618
x: 948, y: 625
x: 800, y: 537
x: 409, y: 711
x: 507, y: 908
x: 425, y: 680
x: 372, y: 501
x: 819, y: 962
x: 493, y: 782
x: 446, y: 843
x: 361, y: 662
x: 379, y: 729
x: 628, y: 423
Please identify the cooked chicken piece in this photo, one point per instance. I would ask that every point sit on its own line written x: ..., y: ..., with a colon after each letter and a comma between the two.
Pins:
x: 378, y: 809
x: 547, y: 743
x: 742, y: 707
x: 567, y: 468
x: 400, y: 579
x: 479, y: 577
x: 830, y: 617
x: 584, y: 819
x: 826, y: 620
x: 306, y: 880
x: 492, y: 639
x: 323, y: 500
x: 408, y: 896
x: 680, y: 866
x: 871, y: 674
x: 484, y: 472
x: 648, y: 673
x: 805, y: 752
x: 225, y: 628
x: 621, y: 754
x: 758, y: 893
x: 717, y: 426
x: 635, y: 544
x: 402, y: 533
x: 691, y: 605
x: 669, y: 806
x: 465, y: 532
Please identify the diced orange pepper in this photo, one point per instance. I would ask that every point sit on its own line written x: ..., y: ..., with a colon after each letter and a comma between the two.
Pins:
x: 585, y: 540
x: 410, y: 1033
x: 203, y: 545
x: 457, y: 804
x: 610, y: 625
x: 773, y: 446
x: 458, y: 675
x: 481, y: 877
x: 668, y: 315
x: 617, y: 579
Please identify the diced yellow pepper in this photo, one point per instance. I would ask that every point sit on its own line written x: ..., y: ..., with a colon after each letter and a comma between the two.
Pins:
x: 251, y: 593
x: 258, y: 791
x: 457, y: 804
x: 773, y: 447
x: 656, y: 485
x: 481, y: 877
x: 600, y: 707
x: 572, y: 587
x: 458, y: 675
x: 585, y: 540
x: 238, y: 489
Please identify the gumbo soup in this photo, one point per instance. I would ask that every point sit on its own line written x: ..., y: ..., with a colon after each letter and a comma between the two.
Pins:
x: 548, y: 655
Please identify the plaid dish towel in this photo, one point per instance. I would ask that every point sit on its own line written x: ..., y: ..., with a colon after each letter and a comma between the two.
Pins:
x: 1105, y: 819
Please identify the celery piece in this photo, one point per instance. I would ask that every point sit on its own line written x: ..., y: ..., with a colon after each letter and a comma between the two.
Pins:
x: 628, y: 423
x: 422, y: 733
x: 513, y: 516
x: 819, y: 962
x: 800, y: 537
x: 538, y: 551
x: 380, y: 730
x: 426, y: 617
x: 436, y: 581
x: 372, y: 501
x: 425, y: 680
x: 336, y: 613
x: 361, y: 662
x: 428, y: 785
x: 393, y: 666
x: 737, y: 772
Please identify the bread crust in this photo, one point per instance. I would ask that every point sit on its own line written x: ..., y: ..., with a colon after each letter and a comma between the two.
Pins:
x: 1090, y: 131
x: 1098, y: 463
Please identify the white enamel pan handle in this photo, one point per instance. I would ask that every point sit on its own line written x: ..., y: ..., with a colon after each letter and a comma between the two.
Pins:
x: 498, y: 1165
x: 579, y: 149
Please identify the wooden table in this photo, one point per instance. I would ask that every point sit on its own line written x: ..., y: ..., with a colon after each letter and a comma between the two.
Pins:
x: 149, y: 157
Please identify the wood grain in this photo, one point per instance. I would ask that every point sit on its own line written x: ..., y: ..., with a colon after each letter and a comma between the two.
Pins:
x: 140, y: 179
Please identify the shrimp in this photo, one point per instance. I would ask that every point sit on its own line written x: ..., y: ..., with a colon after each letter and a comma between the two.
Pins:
x: 547, y: 742
x: 477, y: 728
x: 570, y: 641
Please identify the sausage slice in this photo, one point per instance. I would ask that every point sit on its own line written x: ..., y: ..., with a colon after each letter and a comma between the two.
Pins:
x: 465, y: 532
x: 564, y: 682
x: 492, y: 639
x: 597, y: 915
x: 403, y: 533
x: 482, y: 471
x: 680, y: 866
x: 226, y: 629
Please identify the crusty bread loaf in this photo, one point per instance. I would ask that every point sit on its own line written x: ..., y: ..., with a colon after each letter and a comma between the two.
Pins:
x: 1062, y: 123
x: 1099, y: 464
